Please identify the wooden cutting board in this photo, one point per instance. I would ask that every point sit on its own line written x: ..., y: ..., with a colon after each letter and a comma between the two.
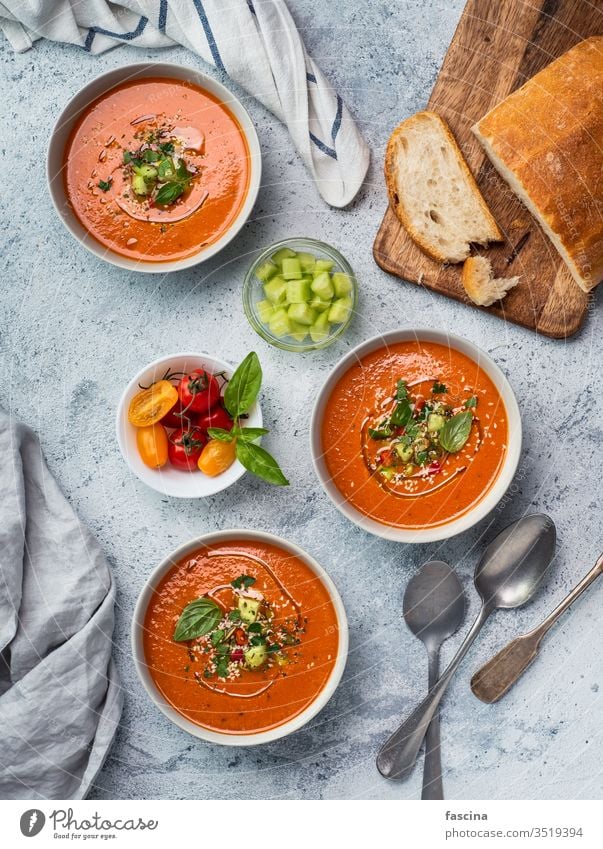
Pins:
x: 497, y: 47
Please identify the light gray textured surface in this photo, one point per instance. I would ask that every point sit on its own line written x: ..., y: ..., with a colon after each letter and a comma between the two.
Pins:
x: 74, y: 330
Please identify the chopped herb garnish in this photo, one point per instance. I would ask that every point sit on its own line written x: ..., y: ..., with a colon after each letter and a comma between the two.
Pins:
x: 439, y: 388
x: 105, y: 185
x: 243, y: 582
x: 255, y: 628
x: 234, y: 616
x: 217, y: 637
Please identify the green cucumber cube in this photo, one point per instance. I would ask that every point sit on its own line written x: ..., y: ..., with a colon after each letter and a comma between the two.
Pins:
x: 307, y: 262
x: 275, y: 290
x: 279, y: 323
x: 342, y: 283
x: 319, y: 305
x: 320, y: 329
x: 302, y: 314
x: 298, y: 331
x: 323, y: 265
x: 266, y: 271
x: 298, y: 291
x: 282, y: 254
x: 265, y: 310
x: 322, y: 286
x: 292, y: 268
x: 340, y: 310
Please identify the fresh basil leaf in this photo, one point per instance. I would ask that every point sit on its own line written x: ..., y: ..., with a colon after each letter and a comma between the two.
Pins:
x: 249, y: 434
x: 166, y: 170
x: 471, y: 402
x: 105, y: 185
x: 401, y: 391
x: 168, y: 193
x: 234, y: 616
x: 197, y: 619
x: 183, y: 173
x: 438, y: 388
x: 402, y: 414
x: 260, y: 463
x: 220, y: 434
x: 244, y: 386
x: 383, y: 431
x: 243, y: 582
x: 455, y: 432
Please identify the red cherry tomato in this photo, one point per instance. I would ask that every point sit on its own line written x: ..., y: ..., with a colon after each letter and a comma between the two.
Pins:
x: 177, y: 419
x: 185, y: 447
x: 218, y: 417
x: 198, y: 391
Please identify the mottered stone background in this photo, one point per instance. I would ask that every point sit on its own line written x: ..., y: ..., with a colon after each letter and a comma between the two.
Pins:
x: 74, y: 330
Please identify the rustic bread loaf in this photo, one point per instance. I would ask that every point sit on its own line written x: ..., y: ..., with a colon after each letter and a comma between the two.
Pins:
x: 546, y: 140
x: 432, y: 191
x: 480, y: 284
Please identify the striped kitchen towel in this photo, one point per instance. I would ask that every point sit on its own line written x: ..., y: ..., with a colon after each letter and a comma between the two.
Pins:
x: 255, y: 42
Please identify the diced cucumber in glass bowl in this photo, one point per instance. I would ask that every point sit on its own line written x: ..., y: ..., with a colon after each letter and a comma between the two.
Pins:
x: 300, y: 294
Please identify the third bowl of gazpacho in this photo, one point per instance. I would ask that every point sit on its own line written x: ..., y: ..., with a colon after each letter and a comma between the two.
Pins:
x: 416, y: 435
x: 240, y: 637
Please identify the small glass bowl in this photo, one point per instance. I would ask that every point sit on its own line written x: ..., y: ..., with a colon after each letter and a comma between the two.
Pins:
x: 253, y: 292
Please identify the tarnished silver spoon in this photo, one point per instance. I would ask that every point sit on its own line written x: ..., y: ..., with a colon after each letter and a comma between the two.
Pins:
x: 434, y: 607
x: 508, y: 574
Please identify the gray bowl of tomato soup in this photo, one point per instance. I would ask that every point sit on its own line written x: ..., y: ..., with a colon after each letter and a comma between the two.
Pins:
x: 353, y: 427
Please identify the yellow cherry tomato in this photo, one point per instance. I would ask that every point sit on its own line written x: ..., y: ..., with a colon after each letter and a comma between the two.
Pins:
x: 150, y: 405
x: 216, y: 457
x: 152, y: 442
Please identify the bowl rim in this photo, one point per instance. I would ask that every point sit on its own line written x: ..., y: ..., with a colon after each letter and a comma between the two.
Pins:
x: 505, y: 476
x: 249, y: 283
x: 95, y: 88
x: 120, y: 417
x: 181, y: 721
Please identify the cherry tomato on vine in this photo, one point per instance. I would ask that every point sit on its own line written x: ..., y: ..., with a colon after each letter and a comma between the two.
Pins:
x: 185, y: 447
x: 216, y: 457
x: 152, y: 443
x: 198, y: 391
x: 218, y: 417
x: 176, y: 419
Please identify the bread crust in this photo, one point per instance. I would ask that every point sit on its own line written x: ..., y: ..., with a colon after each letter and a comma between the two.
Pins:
x: 390, y: 168
x: 546, y: 141
x: 480, y: 291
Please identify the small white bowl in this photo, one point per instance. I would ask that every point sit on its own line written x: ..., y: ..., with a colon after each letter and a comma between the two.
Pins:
x: 99, y: 86
x: 169, y: 480
x: 502, y: 482
x: 186, y: 724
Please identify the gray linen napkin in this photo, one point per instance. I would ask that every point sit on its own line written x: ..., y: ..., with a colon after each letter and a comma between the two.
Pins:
x: 60, y: 698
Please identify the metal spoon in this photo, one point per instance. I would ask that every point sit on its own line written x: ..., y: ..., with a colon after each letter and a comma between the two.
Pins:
x: 497, y: 676
x: 508, y: 574
x: 434, y: 607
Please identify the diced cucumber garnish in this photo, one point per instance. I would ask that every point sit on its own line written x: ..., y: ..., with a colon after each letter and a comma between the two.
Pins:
x: 342, y: 284
x: 256, y: 656
x: 298, y: 291
x: 265, y: 310
x: 266, y: 271
x: 322, y: 286
x: 140, y: 185
x: 320, y: 329
x: 292, y: 268
x: 276, y: 290
x: 307, y: 262
x: 282, y: 254
x: 248, y: 608
x: 323, y: 265
x: 404, y: 452
x: 279, y: 323
x: 298, y: 331
x: 302, y: 314
x: 319, y: 305
x: 340, y: 311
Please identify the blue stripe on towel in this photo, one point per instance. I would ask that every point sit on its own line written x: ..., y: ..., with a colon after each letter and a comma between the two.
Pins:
x: 322, y: 146
x: 163, y: 10
x: 311, y: 78
x: 337, y: 121
x: 122, y: 36
x: 211, y: 41
x: 250, y: 6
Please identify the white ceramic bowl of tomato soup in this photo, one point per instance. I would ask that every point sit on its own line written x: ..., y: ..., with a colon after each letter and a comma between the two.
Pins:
x: 342, y: 495
x: 77, y: 110
x: 169, y: 480
x: 149, y: 595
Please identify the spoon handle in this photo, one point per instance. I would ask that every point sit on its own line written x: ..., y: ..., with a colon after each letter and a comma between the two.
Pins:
x: 432, y: 769
x: 398, y: 754
x: 497, y: 676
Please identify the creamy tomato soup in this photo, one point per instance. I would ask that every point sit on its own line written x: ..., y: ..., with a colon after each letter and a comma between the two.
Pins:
x: 240, y: 637
x: 156, y: 169
x: 414, y: 434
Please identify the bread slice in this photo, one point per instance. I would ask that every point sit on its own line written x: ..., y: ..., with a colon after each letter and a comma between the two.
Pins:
x: 432, y: 191
x: 546, y: 140
x: 481, y: 285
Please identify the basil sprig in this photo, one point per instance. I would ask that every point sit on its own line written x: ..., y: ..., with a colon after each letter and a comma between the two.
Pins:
x: 455, y: 432
x: 197, y: 619
x: 240, y: 395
